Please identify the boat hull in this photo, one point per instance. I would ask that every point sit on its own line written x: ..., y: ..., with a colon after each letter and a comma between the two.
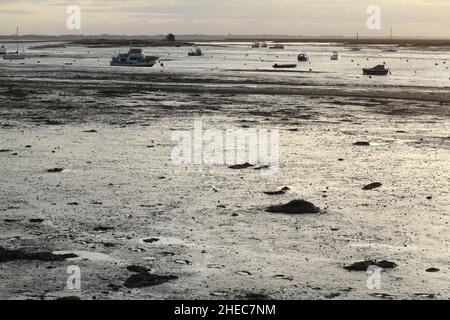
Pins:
x: 284, y: 66
x: 141, y: 65
x: 368, y: 72
x: 371, y: 72
x: 14, y: 57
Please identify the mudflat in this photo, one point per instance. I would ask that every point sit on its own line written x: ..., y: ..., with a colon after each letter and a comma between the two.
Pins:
x: 87, y: 179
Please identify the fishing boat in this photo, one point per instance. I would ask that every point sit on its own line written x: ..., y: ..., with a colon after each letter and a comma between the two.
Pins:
x: 263, y: 45
x: 303, y: 57
x: 284, y: 66
x: 379, y: 70
x: 14, y: 55
x: 255, y: 45
x: 134, y: 58
x: 197, y: 52
x: 3, y: 49
x: 277, y: 46
x: 335, y: 56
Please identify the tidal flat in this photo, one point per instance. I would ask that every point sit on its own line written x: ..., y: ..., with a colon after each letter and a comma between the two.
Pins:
x: 87, y: 179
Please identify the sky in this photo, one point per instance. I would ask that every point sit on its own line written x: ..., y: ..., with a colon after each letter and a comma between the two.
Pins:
x: 408, y: 18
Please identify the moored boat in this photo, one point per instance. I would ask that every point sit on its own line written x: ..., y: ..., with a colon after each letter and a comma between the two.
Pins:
x: 303, y: 57
x: 197, y: 52
x: 336, y: 56
x: 391, y: 49
x: 284, y: 66
x: 14, y: 55
x: 277, y: 46
x: 134, y: 58
x: 3, y: 49
x: 379, y: 70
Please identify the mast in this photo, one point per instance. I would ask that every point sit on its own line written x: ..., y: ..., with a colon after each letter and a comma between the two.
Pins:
x: 17, y: 29
x: 390, y: 42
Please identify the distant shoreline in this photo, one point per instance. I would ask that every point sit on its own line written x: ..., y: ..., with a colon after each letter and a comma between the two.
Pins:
x: 109, y: 40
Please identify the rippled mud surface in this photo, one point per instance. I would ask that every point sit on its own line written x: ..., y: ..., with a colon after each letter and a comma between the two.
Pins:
x: 87, y: 179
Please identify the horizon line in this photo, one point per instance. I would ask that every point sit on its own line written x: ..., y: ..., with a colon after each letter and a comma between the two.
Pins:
x: 225, y: 36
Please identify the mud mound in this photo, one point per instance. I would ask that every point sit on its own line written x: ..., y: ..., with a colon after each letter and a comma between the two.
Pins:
x: 13, y: 255
x: 362, y: 144
x: 241, y: 166
x: 295, y: 207
x: 364, y: 265
x: 277, y: 193
x: 142, y: 280
x: 138, y: 269
x: 372, y: 186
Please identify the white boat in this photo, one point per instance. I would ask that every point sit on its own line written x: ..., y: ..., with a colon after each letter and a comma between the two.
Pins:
x: 3, y: 49
x: 15, y: 55
x: 255, y: 45
x: 335, y: 56
x: 134, y: 58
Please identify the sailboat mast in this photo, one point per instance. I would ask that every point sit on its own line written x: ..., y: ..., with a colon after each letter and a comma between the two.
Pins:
x: 17, y: 29
x: 390, y: 46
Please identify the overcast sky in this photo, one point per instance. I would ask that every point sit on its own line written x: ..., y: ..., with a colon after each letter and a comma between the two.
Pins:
x: 293, y: 17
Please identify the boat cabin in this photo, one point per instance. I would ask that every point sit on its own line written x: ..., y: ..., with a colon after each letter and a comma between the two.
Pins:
x: 133, y: 56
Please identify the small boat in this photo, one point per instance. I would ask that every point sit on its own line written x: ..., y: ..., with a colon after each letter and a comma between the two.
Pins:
x: 277, y: 46
x: 391, y: 49
x: 379, y: 70
x: 3, y: 49
x: 197, y: 52
x: 284, y: 66
x: 256, y: 45
x: 14, y: 55
x: 355, y: 49
x: 303, y: 57
x: 134, y: 58
x: 335, y: 56
x: 263, y: 45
